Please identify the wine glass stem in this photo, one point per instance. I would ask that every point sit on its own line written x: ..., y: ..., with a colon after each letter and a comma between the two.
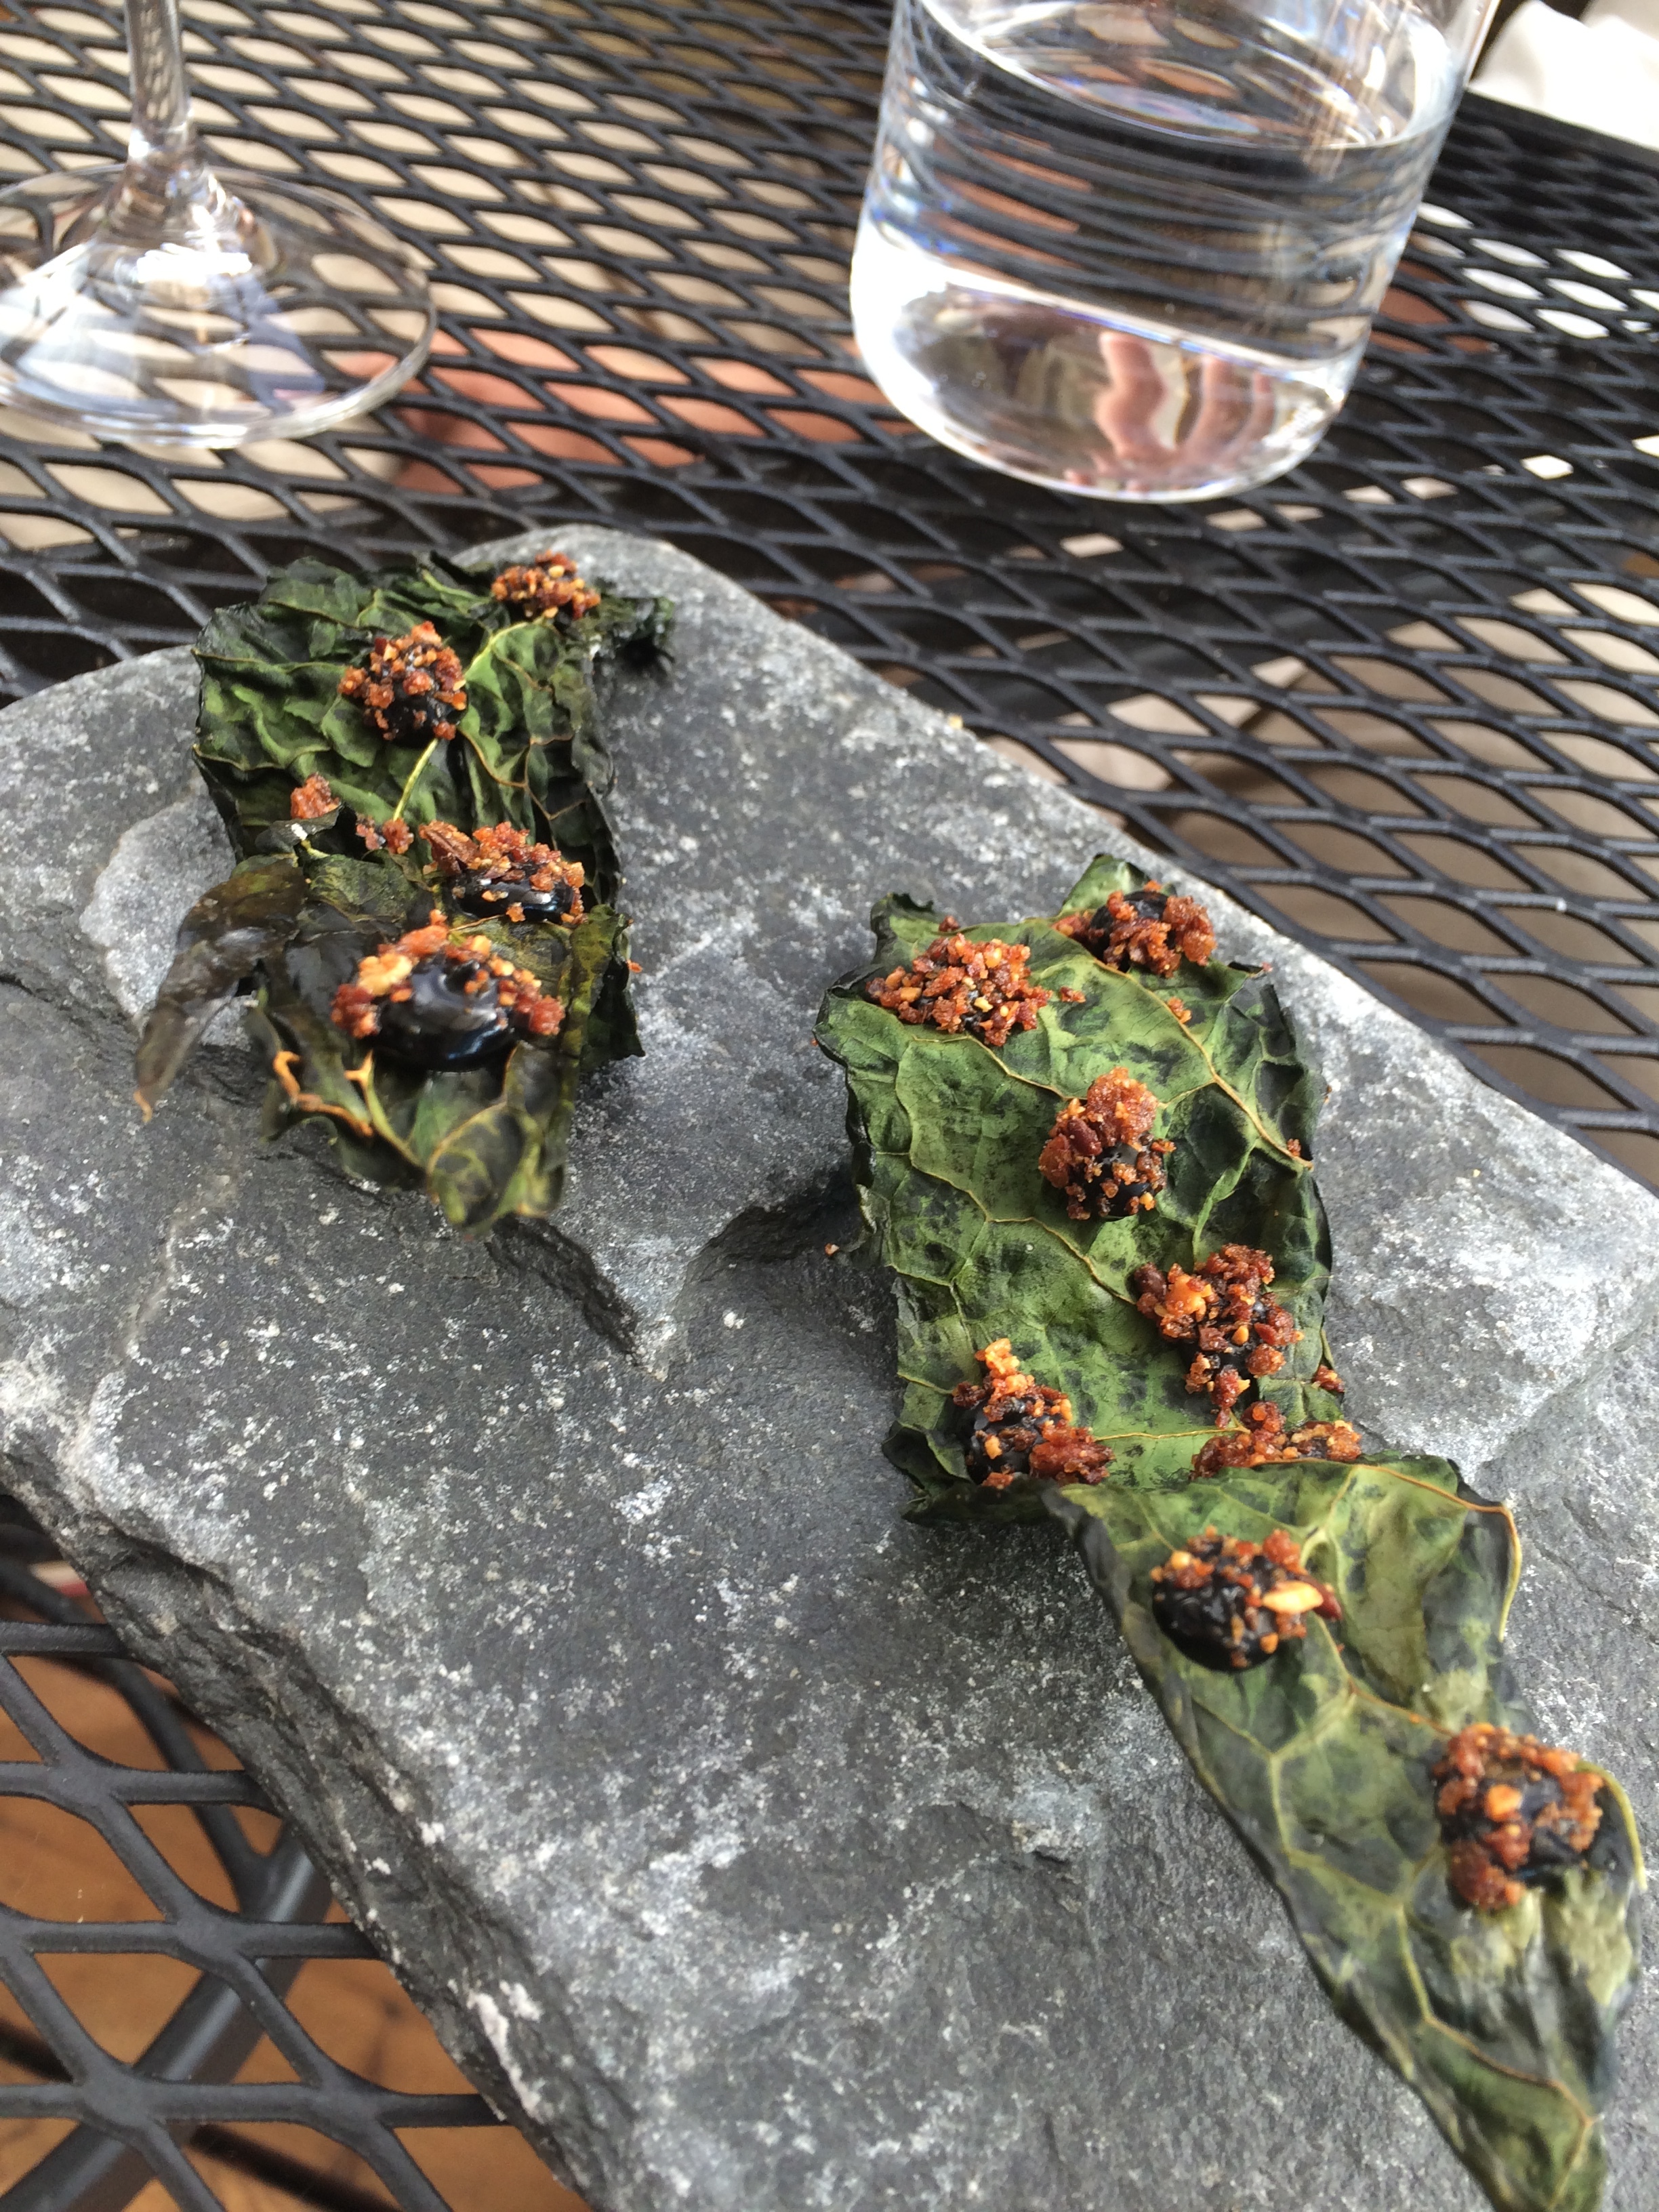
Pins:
x: 163, y: 137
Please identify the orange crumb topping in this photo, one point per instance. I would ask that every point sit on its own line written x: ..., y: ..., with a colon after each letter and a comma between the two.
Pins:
x: 395, y: 836
x: 386, y: 976
x: 1235, y: 1602
x: 1222, y: 1308
x: 497, y: 870
x: 1021, y: 1427
x: 549, y: 585
x: 1151, y: 928
x: 1512, y: 1810
x: 1098, y: 1155
x: 310, y: 800
x: 411, y: 690
x: 1260, y: 1441
x: 956, y: 985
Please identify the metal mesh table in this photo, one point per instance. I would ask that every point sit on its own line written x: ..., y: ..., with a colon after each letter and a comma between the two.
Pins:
x: 130, y: 1841
x: 1401, y: 702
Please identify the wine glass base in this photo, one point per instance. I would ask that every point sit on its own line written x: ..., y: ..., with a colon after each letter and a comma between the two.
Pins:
x: 197, y: 308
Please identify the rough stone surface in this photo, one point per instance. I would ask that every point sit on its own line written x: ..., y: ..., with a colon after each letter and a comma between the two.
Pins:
x: 761, y: 1852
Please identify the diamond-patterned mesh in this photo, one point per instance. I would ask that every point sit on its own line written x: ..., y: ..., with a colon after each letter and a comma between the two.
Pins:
x: 1401, y: 702
x: 180, y: 2001
x: 638, y: 217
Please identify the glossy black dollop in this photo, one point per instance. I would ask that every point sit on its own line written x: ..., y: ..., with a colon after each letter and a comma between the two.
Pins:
x: 480, y: 893
x: 442, y: 1025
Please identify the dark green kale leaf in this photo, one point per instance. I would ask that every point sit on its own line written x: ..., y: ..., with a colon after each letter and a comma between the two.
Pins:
x: 528, y: 751
x: 484, y: 1141
x: 231, y: 928
x: 946, y: 1134
x: 1503, y: 2021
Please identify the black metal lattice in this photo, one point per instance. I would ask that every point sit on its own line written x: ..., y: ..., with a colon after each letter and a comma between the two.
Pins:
x: 1398, y: 701
x: 1401, y: 702
x: 132, y: 2120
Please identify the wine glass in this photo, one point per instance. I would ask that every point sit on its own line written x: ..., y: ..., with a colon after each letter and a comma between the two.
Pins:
x: 170, y: 304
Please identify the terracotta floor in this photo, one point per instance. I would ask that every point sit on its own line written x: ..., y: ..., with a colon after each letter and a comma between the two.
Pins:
x: 56, y: 1866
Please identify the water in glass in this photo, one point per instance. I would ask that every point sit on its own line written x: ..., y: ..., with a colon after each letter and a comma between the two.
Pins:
x: 1134, y: 249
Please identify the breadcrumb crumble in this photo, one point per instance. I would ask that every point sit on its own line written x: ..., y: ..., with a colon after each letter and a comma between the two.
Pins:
x: 1235, y: 1603
x: 957, y: 985
x: 1513, y: 1811
x: 411, y: 690
x: 310, y: 800
x: 1261, y: 1440
x: 1100, y: 1155
x: 549, y: 585
x: 505, y: 871
x: 437, y: 1000
x: 1222, y: 1308
x: 1023, y: 1427
x: 1151, y: 928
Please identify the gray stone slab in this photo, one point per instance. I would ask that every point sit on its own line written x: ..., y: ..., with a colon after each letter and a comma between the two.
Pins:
x: 761, y: 1852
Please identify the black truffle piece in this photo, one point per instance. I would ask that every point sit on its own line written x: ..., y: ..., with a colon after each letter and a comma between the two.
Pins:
x: 1151, y: 929
x: 1101, y: 1156
x: 1020, y: 1426
x: 481, y: 891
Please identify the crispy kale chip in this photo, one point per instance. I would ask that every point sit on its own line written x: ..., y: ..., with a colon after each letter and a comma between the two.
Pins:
x: 1322, y: 1626
x: 411, y: 767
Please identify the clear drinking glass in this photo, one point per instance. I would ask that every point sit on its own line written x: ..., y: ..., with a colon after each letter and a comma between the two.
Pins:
x: 1134, y: 247
x: 169, y: 304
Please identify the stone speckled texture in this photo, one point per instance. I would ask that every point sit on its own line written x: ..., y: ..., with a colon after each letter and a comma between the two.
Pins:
x: 761, y: 1852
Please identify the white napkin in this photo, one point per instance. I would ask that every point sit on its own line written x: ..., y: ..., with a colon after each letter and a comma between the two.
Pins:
x: 1602, y: 72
